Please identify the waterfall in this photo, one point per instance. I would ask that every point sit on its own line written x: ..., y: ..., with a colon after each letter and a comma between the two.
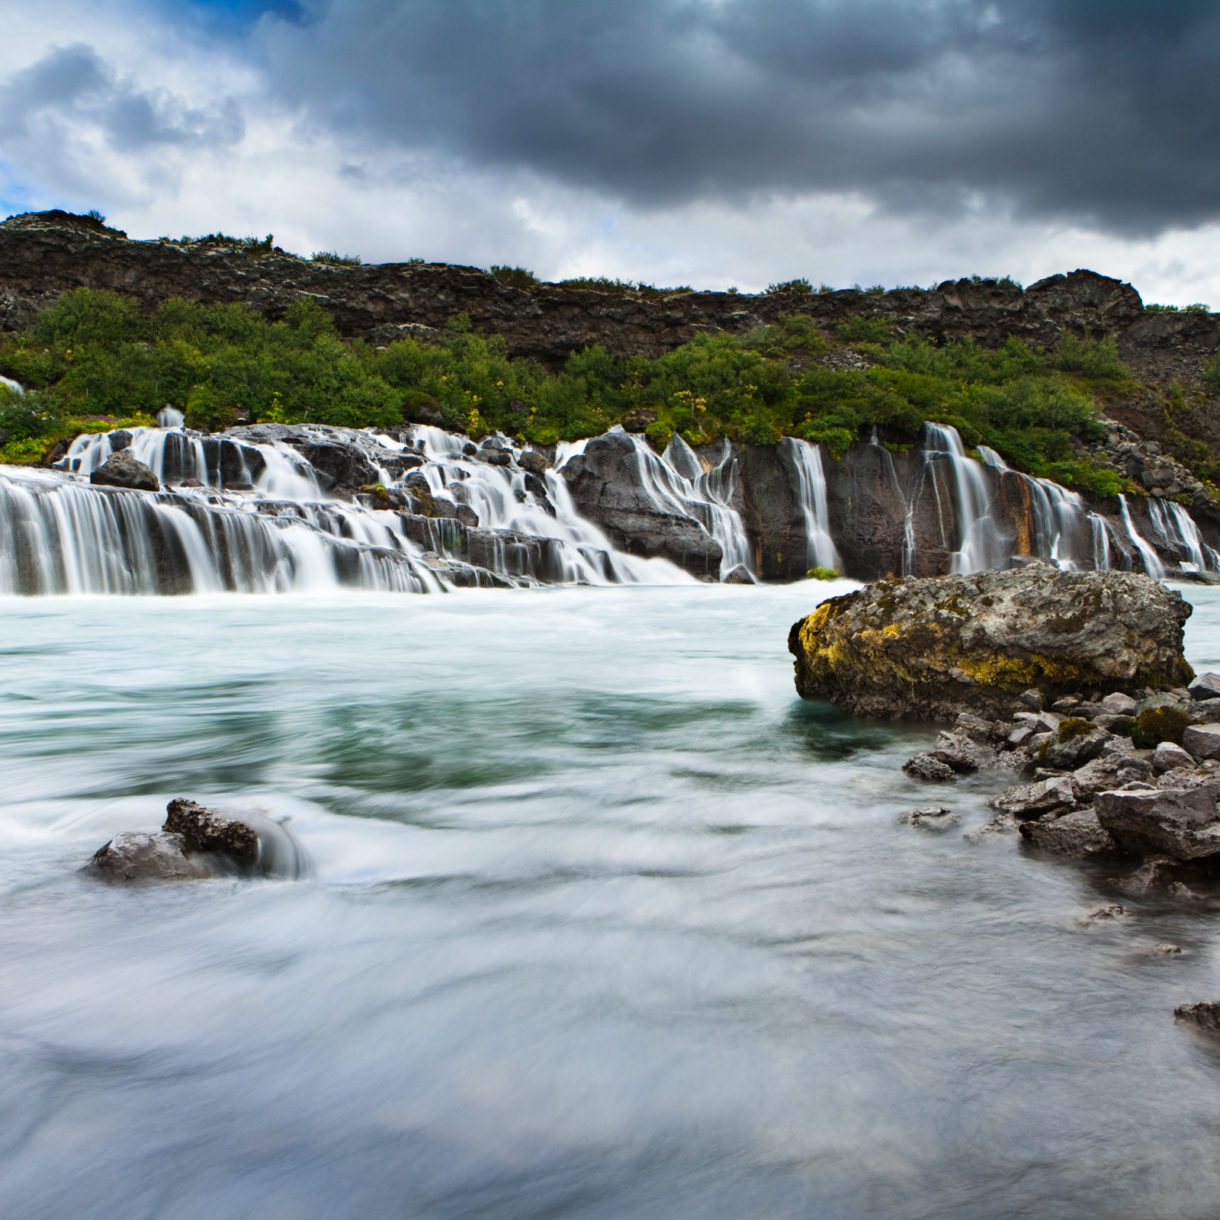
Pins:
x: 1152, y: 561
x: 820, y: 550
x: 978, y: 544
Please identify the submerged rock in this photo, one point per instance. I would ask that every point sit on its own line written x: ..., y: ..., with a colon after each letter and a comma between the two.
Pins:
x: 197, y: 842
x: 931, y: 648
x: 1204, y: 1013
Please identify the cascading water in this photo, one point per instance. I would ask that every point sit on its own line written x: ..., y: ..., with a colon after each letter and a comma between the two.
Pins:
x: 820, y: 549
x: 978, y: 544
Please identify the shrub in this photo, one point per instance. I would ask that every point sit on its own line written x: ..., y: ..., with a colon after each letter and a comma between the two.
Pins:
x: 798, y: 287
x: 822, y: 574
x: 1073, y: 727
x: 515, y: 277
x: 334, y: 258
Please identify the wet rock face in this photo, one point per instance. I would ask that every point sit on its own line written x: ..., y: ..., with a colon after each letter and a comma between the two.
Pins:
x: 931, y: 648
x: 122, y: 469
x: 608, y: 484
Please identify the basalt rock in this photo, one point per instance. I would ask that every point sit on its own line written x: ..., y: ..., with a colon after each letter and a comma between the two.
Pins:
x: 197, y: 842
x: 122, y: 469
x: 932, y: 648
x: 609, y: 484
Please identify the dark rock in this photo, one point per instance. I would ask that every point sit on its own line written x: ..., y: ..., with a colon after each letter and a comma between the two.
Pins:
x: 1204, y: 1013
x: 740, y: 575
x: 1106, y: 913
x: 1178, y: 822
x: 930, y: 649
x: 639, y: 419
x: 1032, y: 700
x: 197, y: 842
x: 533, y: 462
x: 607, y: 483
x: 1119, y: 703
x: 924, y: 766
x: 1078, y: 835
x: 495, y: 457
x: 120, y: 438
x: 930, y: 817
x: 1160, y: 873
x: 981, y: 731
x: 123, y: 470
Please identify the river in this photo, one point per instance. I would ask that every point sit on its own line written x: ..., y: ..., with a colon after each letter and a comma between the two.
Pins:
x: 604, y: 922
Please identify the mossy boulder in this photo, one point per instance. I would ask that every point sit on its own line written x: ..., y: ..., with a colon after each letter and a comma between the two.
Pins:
x: 931, y: 648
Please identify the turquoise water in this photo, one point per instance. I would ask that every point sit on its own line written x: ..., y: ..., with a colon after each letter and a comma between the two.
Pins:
x: 605, y: 922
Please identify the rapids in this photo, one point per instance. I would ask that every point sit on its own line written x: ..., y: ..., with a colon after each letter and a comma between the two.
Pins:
x: 604, y: 922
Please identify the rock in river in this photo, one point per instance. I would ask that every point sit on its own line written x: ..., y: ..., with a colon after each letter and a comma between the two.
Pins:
x: 197, y: 842
x: 931, y: 648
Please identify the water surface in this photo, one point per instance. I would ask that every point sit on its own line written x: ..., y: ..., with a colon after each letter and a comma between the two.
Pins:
x: 605, y: 922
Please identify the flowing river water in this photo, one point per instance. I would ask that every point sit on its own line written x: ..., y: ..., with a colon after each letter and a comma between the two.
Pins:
x: 604, y: 922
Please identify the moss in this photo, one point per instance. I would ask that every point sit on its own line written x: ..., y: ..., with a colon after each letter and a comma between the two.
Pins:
x: 1156, y: 724
x: 1073, y: 727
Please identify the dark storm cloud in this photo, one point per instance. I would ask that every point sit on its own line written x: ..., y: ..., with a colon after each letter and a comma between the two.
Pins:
x: 1104, y: 112
x: 72, y: 88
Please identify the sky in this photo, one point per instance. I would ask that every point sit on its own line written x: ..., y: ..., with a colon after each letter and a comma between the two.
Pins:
x: 710, y: 143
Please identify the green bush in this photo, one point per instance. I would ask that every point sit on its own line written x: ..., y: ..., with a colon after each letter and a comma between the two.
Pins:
x: 798, y: 287
x: 822, y: 574
x: 515, y: 277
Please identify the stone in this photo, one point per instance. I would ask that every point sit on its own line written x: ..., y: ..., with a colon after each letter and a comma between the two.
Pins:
x: 740, y: 575
x: 931, y: 648
x: 1032, y: 700
x: 1105, y: 913
x: 638, y: 419
x: 957, y: 751
x: 533, y: 462
x: 1020, y: 736
x: 1078, y: 835
x: 977, y: 729
x: 1178, y: 822
x: 924, y: 766
x: 930, y: 817
x: 1202, y: 741
x: 1167, y: 757
x: 1034, y: 800
x: 1075, y: 751
x: 1205, y: 686
x: 197, y: 842
x: 133, y: 856
x: 1203, y: 1013
x: 123, y: 469
x: 1119, y: 703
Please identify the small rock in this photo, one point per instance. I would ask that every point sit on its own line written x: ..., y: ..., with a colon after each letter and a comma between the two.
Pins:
x: 977, y: 729
x: 1066, y: 705
x: 1119, y: 704
x: 1078, y: 835
x: 930, y: 817
x: 1202, y: 740
x: 1020, y: 736
x: 1031, y: 700
x: 1204, y: 1013
x: 1205, y: 686
x: 740, y: 575
x: 1075, y: 752
x: 924, y: 766
x: 1165, y: 949
x: 1103, y: 914
x: 533, y: 462
x: 956, y: 750
x: 1034, y: 800
x: 133, y: 856
x: 1167, y: 757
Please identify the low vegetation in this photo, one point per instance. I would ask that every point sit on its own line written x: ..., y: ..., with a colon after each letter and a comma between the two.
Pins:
x: 95, y: 357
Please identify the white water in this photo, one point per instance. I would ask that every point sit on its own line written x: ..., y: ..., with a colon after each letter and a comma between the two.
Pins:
x: 605, y: 922
x: 821, y: 551
x: 978, y: 544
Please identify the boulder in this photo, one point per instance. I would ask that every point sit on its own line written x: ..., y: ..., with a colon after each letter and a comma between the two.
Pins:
x: 1078, y: 835
x: 932, y: 648
x: 1168, y: 757
x: 925, y: 766
x: 739, y: 575
x: 1177, y: 822
x: 197, y: 842
x: 1202, y: 741
x: 1119, y: 703
x: 1035, y: 800
x: 123, y: 469
x: 1205, y: 686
